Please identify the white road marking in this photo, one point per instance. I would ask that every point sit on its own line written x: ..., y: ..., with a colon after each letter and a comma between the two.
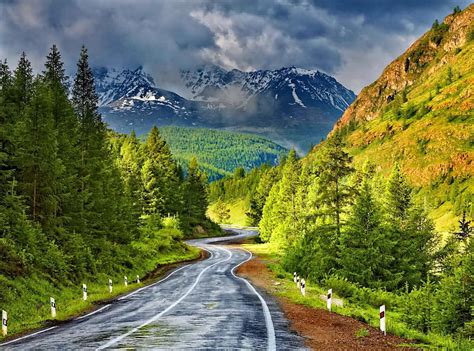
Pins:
x: 156, y: 317
x: 104, y: 307
x: 162, y: 280
x: 28, y: 336
x: 151, y: 285
x: 92, y: 313
x: 271, y: 340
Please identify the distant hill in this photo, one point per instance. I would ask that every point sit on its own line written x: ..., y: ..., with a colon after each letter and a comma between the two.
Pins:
x: 292, y: 106
x: 219, y: 152
x: 420, y: 113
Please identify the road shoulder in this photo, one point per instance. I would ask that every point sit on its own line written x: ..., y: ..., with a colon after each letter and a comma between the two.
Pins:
x: 320, y: 328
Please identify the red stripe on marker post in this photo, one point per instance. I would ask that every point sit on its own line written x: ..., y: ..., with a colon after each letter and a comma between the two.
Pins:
x: 382, y: 320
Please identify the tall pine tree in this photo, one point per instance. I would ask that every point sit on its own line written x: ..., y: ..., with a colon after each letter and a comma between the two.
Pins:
x: 364, y: 249
x: 160, y: 176
x: 66, y: 127
x: 93, y: 154
x: 411, y: 232
x: 39, y: 167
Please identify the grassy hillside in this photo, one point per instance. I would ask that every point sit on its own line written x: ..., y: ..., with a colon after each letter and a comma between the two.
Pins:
x: 219, y: 153
x: 419, y: 113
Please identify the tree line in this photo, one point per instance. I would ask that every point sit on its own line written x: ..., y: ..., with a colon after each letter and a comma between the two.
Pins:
x: 360, y: 229
x: 75, y: 197
x: 220, y: 152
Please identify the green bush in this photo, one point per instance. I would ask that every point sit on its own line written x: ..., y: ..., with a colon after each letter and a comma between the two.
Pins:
x: 11, y: 263
x: 417, y: 307
x: 376, y: 298
x: 362, y: 333
x: 340, y: 286
x: 171, y: 222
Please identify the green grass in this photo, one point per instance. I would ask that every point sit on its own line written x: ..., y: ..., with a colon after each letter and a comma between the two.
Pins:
x: 429, y: 135
x: 362, y: 333
x: 27, y: 298
x: 237, y: 213
x: 364, y: 313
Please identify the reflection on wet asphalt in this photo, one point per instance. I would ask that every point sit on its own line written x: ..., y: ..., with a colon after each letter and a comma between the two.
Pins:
x: 200, y: 306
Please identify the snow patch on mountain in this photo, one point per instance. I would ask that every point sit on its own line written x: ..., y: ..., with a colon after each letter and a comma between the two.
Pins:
x: 235, y: 88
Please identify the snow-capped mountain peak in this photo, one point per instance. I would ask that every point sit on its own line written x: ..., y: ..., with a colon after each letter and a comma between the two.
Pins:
x: 114, y: 84
x: 302, y: 87
x: 293, y: 106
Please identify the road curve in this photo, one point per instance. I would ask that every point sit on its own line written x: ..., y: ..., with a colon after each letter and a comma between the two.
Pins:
x: 203, y: 305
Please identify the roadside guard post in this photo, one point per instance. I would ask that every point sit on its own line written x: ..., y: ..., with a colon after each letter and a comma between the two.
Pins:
x: 125, y: 280
x: 329, y: 301
x: 84, y: 292
x: 138, y: 278
x: 4, y: 323
x: 298, y: 285
x: 303, y: 287
x: 52, y: 302
x: 382, y: 320
x: 110, y: 286
x: 294, y: 277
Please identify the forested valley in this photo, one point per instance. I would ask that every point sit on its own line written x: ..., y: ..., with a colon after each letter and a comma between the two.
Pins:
x: 80, y: 203
x: 361, y: 234
x: 220, y: 152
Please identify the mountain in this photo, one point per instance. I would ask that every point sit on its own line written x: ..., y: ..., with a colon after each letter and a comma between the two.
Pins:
x: 419, y: 114
x: 292, y: 106
x: 286, y: 87
x: 220, y: 152
x: 130, y: 99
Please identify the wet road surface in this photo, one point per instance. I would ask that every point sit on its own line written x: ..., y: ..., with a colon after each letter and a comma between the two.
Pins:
x: 203, y: 305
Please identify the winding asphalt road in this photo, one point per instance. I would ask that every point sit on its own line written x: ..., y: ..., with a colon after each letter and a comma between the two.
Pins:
x: 202, y: 305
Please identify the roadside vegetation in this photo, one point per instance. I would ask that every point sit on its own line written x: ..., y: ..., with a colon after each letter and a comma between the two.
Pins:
x: 381, y: 211
x: 80, y: 203
x: 360, y: 303
x: 366, y: 237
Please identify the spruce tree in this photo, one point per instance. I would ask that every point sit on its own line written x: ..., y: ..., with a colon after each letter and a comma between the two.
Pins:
x: 6, y: 126
x: 411, y: 232
x: 333, y: 167
x: 195, y: 195
x: 160, y: 176
x: 93, y: 156
x: 22, y: 83
x: 66, y: 126
x: 130, y: 165
x: 364, y: 249
x: 55, y: 72
x: 280, y: 214
x: 37, y: 160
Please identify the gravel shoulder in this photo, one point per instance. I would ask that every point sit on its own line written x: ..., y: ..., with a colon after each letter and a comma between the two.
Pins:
x: 322, y: 330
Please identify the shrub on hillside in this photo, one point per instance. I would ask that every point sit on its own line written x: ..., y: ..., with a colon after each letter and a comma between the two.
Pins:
x: 340, y: 286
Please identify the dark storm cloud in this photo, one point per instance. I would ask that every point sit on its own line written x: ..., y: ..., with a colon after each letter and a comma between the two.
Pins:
x: 352, y: 40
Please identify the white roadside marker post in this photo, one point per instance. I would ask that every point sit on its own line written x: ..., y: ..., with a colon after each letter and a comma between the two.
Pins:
x: 329, y: 301
x: 138, y: 278
x: 298, y: 285
x: 125, y: 280
x: 84, y: 292
x: 303, y: 287
x: 382, y: 320
x: 52, y: 302
x: 4, y: 323
x: 294, y: 277
x: 110, y: 286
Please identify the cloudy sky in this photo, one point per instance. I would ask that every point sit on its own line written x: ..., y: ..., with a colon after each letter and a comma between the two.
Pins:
x: 351, y: 40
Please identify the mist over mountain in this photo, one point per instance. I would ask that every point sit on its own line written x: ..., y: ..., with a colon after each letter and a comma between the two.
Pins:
x: 292, y: 106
